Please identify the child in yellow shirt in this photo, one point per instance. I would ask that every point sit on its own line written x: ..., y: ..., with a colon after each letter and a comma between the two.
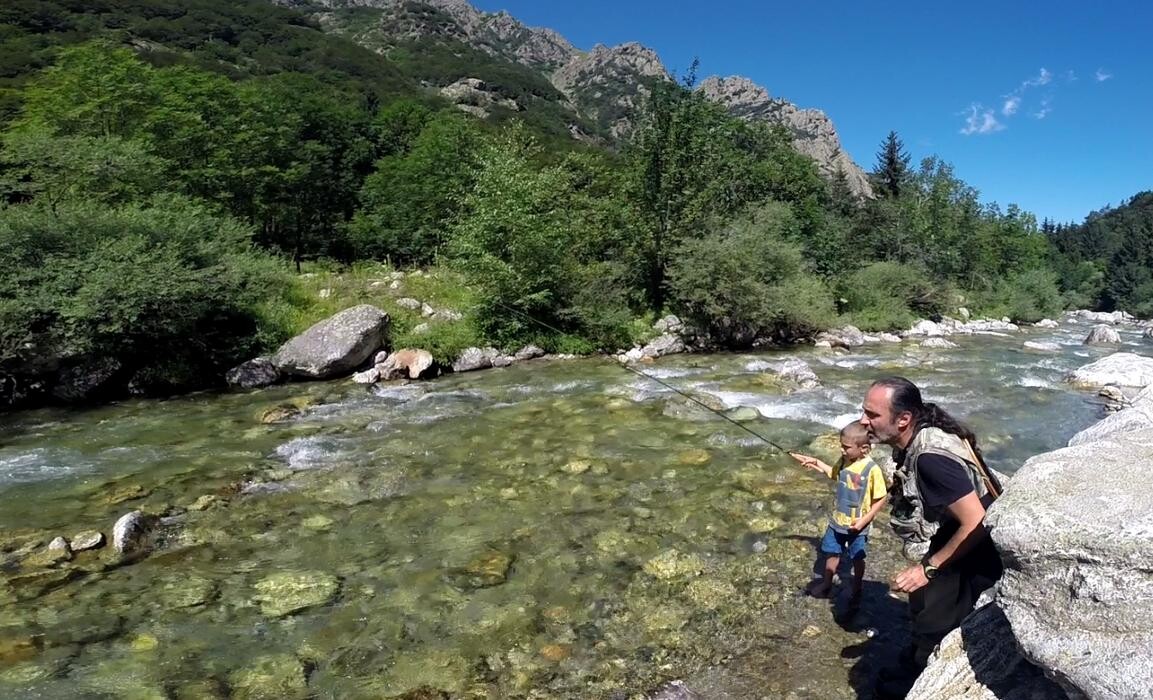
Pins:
x: 861, y: 493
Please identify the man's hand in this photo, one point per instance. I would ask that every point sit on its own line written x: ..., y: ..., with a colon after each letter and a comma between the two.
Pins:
x: 910, y: 579
x: 855, y: 527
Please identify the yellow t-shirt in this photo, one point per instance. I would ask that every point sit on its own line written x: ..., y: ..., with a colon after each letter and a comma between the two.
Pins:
x: 875, y: 490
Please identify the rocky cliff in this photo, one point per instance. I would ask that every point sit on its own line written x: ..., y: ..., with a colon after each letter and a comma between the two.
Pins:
x: 604, y: 86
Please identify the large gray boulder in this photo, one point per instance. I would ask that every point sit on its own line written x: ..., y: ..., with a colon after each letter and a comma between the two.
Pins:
x: 407, y: 363
x: 1118, y: 369
x: 667, y: 344
x: 83, y: 382
x: 1102, y: 335
x: 335, y: 346
x: 472, y: 359
x: 980, y: 661
x: 1075, y: 532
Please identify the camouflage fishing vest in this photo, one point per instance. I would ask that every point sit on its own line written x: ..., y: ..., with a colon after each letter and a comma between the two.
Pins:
x: 910, y: 518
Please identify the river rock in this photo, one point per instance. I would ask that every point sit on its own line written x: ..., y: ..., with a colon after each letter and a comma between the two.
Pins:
x: 529, y: 352
x: 409, y: 363
x: 1148, y: 334
x: 925, y: 327
x: 667, y: 344
x: 1075, y: 533
x: 408, y: 303
x: 289, y: 592
x: 1110, y: 317
x: 673, y: 564
x: 938, y: 343
x: 743, y: 414
x: 475, y: 358
x: 83, y: 382
x: 1102, y: 335
x: 334, y: 346
x: 980, y: 661
x: 1138, y: 415
x: 368, y: 376
x: 89, y: 539
x: 273, y: 677
x: 847, y: 337
x: 797, y: 371
x: 669, y: 324
x: 1046, y: 323
x: 487, y: 569
x: 253, y: 374
x: 131, y: 532
x: 1041, y: 346
x: 1123, y: 369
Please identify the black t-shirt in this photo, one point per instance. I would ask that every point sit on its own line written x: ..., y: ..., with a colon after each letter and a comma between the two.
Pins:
x: 944, y: 481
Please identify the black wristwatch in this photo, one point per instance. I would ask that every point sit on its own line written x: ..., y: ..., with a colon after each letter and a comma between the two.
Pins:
x: 929, y: 569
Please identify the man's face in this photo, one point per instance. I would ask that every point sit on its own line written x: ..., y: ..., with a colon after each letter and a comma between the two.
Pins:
x: 877, y: 416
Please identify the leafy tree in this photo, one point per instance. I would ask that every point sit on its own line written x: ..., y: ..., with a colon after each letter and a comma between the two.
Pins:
x: 749, y: 282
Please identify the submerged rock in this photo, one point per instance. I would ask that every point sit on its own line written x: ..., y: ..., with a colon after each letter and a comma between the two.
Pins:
x: 673, y: 564
x: 938, y: 343
x: 1041, y: 346
x: 490, y: 568
x: 797, y: 371
x: 273, y: 677
x: 290, y: 592
x: 1046, y: 323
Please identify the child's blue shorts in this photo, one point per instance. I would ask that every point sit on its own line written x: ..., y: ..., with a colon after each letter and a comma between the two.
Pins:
x: 835, y: 543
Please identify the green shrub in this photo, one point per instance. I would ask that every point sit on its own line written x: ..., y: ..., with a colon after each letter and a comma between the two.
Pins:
x: 1027, y: 296
x: 169, y: 289
x: 747, y: 282
x: 889, y: 295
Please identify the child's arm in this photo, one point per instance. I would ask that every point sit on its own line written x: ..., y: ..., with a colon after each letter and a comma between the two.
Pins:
x: 813, y: 463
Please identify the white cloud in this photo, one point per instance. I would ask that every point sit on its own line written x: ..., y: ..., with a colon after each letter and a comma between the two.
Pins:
x: 980, y: 121
x: 1071, y: 76
x: 1102, y: 75
x: 1044, y: 110
x: 1044, y: 78
x: 1011, y: 105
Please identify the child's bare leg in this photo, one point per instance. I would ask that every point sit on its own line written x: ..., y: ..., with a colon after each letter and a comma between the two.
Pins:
x: 825, y: 587
x: 858, y: 583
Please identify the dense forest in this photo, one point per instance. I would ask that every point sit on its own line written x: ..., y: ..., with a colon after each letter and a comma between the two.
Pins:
x: 168, y: 167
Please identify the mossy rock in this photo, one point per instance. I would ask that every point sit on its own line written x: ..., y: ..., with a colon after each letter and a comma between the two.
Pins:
x: 290, y: 592
x: 272, y: 677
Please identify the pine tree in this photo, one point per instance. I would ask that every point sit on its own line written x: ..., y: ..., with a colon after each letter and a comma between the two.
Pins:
x: 892, y: 169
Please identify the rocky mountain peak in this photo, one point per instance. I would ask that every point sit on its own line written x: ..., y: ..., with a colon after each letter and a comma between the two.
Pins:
x: 812, y: 131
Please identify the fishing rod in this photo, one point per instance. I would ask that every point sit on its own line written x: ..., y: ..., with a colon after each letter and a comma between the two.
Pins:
x: 650, y: 377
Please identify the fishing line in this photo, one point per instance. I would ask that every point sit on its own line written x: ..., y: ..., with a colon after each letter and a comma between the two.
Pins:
x: 650, y: 377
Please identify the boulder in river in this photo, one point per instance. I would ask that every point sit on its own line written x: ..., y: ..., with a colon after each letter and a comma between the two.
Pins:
x: 408, y: 363
x: 1123, y: 369
x: 336, y: 345
x: 1041, y: 346
x: 131, y: 533
x: 253, y: 374
x: 1102, y: 335
x: 288, y: 592
x: 475, y: 358
x: 938, y: 343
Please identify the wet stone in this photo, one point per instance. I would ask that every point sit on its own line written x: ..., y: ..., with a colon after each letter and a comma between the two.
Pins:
x: 694, y: 457
x: 37, y: 583
x: 556, y: 652
x: 204, y: 502
x: 489, y: 569
x: 273, y: 677
x: 89, y: 539
x: 185, y: 591
x: 286, y: 593
x: 126, y: 493
x: 577, y: 466
x: 673, y: 564
x: 18, y: 647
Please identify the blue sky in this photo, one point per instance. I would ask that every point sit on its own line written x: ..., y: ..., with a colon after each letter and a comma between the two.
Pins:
x: 1047, y: 105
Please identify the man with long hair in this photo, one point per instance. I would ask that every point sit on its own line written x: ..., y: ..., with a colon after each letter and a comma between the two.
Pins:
x: 940, y: 492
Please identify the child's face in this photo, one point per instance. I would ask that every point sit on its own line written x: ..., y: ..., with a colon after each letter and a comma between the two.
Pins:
x: 854, y: 452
